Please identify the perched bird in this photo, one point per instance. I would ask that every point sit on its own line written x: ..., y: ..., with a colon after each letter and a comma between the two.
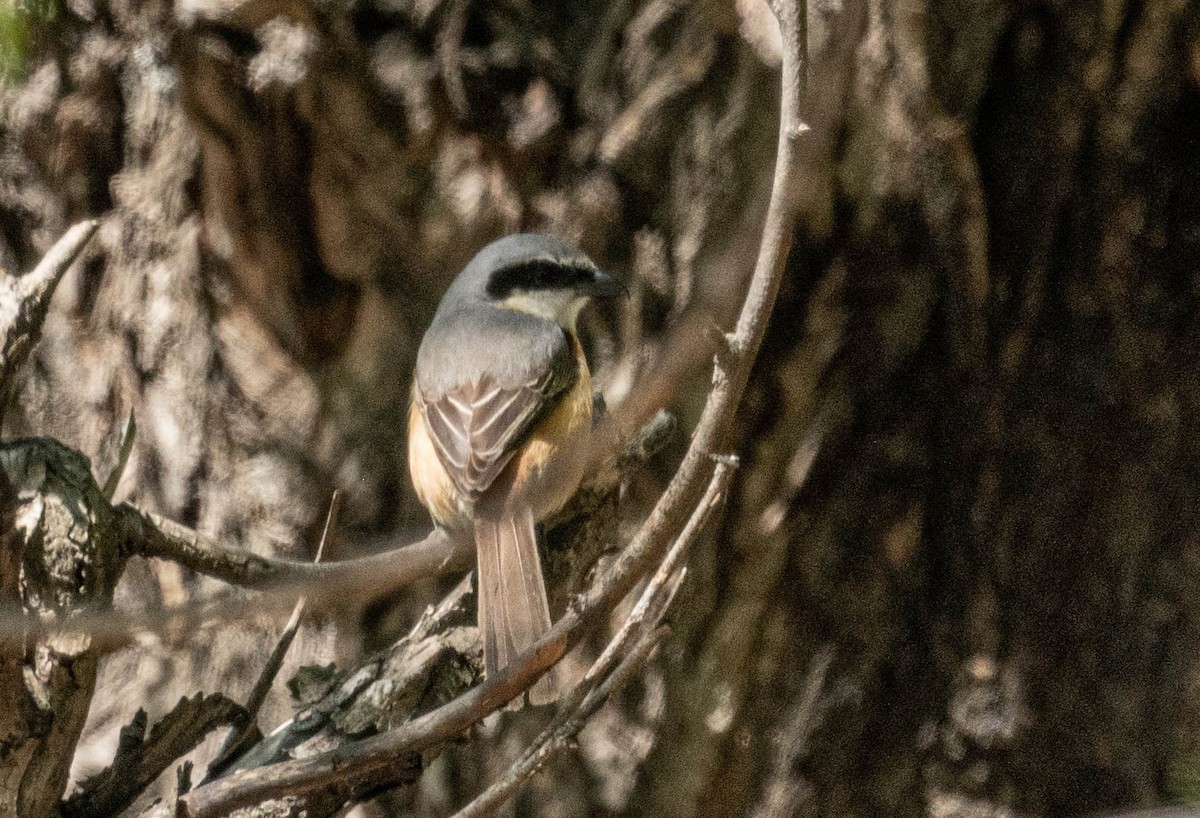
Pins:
x: 500, y: 421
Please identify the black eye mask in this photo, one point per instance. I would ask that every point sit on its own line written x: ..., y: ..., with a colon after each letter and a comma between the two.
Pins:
x: 538, y: 275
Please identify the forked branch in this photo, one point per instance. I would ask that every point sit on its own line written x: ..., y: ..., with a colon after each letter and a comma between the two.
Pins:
x: 366, y: 765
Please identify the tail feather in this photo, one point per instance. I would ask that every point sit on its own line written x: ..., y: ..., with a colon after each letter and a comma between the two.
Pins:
x: 513, y: 610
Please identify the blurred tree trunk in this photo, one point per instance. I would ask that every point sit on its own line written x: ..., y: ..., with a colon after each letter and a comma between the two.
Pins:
x: 968, y: 449
x: 997, y: 534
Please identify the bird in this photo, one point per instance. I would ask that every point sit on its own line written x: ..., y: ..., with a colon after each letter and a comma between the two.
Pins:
x: 500, y: 421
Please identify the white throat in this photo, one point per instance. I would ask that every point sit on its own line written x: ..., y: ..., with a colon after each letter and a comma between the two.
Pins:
x: 560, y: 306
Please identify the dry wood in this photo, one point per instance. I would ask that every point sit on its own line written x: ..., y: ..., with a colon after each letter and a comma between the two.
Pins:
x: 370, y: 765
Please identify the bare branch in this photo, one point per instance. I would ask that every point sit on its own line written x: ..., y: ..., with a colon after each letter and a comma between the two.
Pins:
x: 281, y: 582
x: 128, y: 434
x: 140, y: 758
x: 447, y: 47
x: 25, y: 301
x: 240, y: 740
x: 365, y: 765
x: 692, y: 341
x: 561, y: 737
x: 37, y: 286
x: 259, y: 694
x: 786, y: 792
x: 439, y: 553
x: 619, y: 659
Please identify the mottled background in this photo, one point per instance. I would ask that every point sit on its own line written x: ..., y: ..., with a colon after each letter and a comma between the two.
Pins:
x: 969, y: 446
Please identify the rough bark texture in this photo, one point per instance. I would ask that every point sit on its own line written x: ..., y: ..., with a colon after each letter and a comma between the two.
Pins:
x: 62, y: 557
x: 997, y: 532
x: 968, y: 449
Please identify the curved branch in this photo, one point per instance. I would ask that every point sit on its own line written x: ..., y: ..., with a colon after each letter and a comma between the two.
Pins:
x: 560, y: 736
x: 366, y: 765
x: 625, y: 653
x: 241, y: 739
x: 281, y: 582
x: 150, y: 535
x: 440, y: 552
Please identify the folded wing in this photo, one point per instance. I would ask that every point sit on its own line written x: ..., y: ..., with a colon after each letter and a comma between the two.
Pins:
x: 477, y: 425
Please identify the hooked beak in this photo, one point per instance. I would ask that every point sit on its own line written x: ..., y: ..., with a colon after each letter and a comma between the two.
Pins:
x: 606, y: 286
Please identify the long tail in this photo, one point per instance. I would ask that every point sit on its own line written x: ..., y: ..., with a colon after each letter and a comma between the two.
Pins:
x: 513, y: 611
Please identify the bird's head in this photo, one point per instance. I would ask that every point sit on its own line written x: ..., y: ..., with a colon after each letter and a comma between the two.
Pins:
x: 539, y: 275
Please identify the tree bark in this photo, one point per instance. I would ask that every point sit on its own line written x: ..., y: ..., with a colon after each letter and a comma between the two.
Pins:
x: 994, y: 529
x: 956, y: 570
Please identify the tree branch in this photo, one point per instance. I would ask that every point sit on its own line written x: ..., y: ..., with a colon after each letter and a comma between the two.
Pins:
x: 439, y: 553
x: 150, y: 535
x: 625, y: 653
x: 242, y: 739
x: 140, y: 758
x: 786, y: 790
x: 365, y: 766
x: 25, y: 301
x: 561, y: 736
x: 279, y: 581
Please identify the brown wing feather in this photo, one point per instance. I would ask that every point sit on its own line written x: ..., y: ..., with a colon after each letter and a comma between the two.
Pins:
x: 477, y: 427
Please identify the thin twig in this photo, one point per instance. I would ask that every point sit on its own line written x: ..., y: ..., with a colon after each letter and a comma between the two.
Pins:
x: 802, y: 44
x: 785, y: 790
x: 652, y: 604
x: 37, y: 286
x: 109, y: 489
x: 343, y: 773
x: 561, y: 736
x: 240, y: 740
x: 259, y: 694
x: 447, y: 48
